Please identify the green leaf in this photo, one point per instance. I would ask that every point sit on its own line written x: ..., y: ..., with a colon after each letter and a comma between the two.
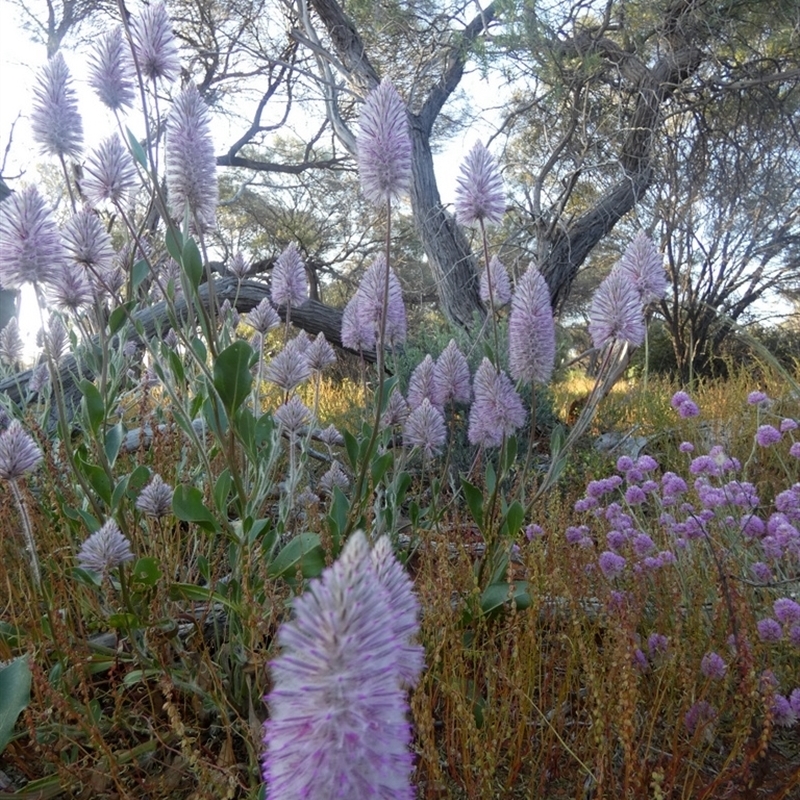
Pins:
x: 200, y: 594
x: 510, y: 454
x: 491, y: 478
x: 192, y: 263
x: 113, y: 442
x: 136, y: 148
x: 174, y: 243
x: 514, y: 517
x: 380, y: 465
x: 351, y: 446
x: 93, y: 404
x: 474, y: 498
x: 187, y: 505
x: 222, y: 489
x: 337, y: 518
x: 303, y: 552
x: 98, y: 479
x: 146, y: 572
x: 15, y: 691
x: 176, y: 365
x: 119, y: 316
x: 139, y: 273
x: 124, y: 621
x: 498, y: 595
x: 232, y: 377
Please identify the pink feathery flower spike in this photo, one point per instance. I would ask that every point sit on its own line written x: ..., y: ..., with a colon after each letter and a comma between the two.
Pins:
x: 293, y: 415
x: 19, y: 454
x: 31, y: 249
x: 110, y: 73
x: 155, y: 500
x: 615, y: 314
x: 109, y: 173
x: 320, y: 354
x: 384, y: 145
x: 289, y: 284
x: 421, y: 385
x: 70, y: 289
x: 497, y: 411
x: 495, y: 275
x: 531, y: 331
x: 451, y: 378
x: 55, y: 119
x: 154, y: 47
x: 370, y: 304
x: 191, y: 163
x: 357, y: 334
x: 11, y: 345
x: 105, y: 549
x: 397, y: 410
x: 87, y: 241
x: 479, y: 190
x: 643, y: 265
x: 338, y: 715
x: 263, y: 317
x: 424, y: 428
x: 288, y: 369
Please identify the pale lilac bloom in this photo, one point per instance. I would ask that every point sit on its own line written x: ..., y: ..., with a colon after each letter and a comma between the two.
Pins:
x: 635, y: 496
x: 788, y: 424
x: 769, y: 630
x: 397, y: 410
x: 794, y: 450
x: 786, y: 610
x: 424, y: 428
x: 495, y: 277
x: 451, y: 378
x: 55, y: 119
x: 497, y: 410
x: 685, y: 407
x: 288, y: 369
x: 87, y: 240
x: 154, y: 46
x: 615, y: 314
x: 289, y: 284
x: 106, y: 549
x: 611, y: 564
x: 31, y: 249
x: 109, y: 173
x: 11, y: 345
x: 191, y: 166
x: 699, y: 715
x: 70, y: 289
x: 713, y: 666
x: 357, y: 334
x: 686, y: 447
x: 110, y: 73
x: 155, y: 500
x: 767, y: 435
x: 384, y: 145
x: 756, y: 398
x: 643, y: 265
x: 238, y: 267
x: 762, y: 572
x: 338, y: 724
x: 320, y: 354
x: 333, y: 477
x: 657, y: 643
x: 19, y: 454
x: 421, y: 385
x: 479, y: 189
x: 370, y: 306
x: 534, y: 531
x: 263, y: 317
x: 531, y: 330
x: 783, y: 712
x: 293, y: 415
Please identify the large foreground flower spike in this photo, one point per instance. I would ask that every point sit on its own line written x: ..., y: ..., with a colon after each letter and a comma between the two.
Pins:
x: 497, y: 409
x: 31, y: 249
x: 338, y: 717
x: 644, y: 266
x: 154, y: 46
x: 191, y: 164
x: 615, y: 314
x: 384, y: 146
x: 479, y: 191
x: 55, y: 119
x: 531, y: 331
x: 110, y: 73
x: 289, y: 284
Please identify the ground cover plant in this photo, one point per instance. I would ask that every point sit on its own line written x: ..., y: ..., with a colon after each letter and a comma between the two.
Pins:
x: 226, y: 576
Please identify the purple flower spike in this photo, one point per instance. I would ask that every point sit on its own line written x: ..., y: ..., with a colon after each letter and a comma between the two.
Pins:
x: 31, y: 250
x: 424, y: 428
x: 497, y: 410
x: 643, y: 265
x: 110, y: 73
x: 288, y: 369
x: 496, y: 276
x: 396, y: 410
x: 154, y: 46
x: 19, y: 454
x: 11, y: 344
x: 238, y: 267
x: 531, y: 331
x: 451, y: 378
x: 384, y: 146
x: 615, y: 314
x: 191, y: 163
x: 421, y: 385
x: 357, y: 333
x: 293, y: 415
x: 105, y: 549
x: 70, y: 290
x: 611, y: 564
x: 55, y: 119
x: 479, y: 192
x: 713, y: 666
x: 109, y: 173
x: 370, y: 304
x: 87, y: 241
x: 337, y: 723
x: 334, y: 477
x: 263, y: 317
x: 320, y: 354
x: 767, y: 435
x: 289, y: 283
x: 155, y: 500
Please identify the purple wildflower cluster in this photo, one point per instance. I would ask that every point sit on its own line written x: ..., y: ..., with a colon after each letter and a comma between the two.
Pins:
x: 338, y: 714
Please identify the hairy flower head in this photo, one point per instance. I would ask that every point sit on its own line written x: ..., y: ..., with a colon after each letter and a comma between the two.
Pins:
x: 289, y: 284
x: 479, y: 190
x: 55, y: 120
x: 531, y: 331
x: 497, y: 409
x: 495, y: 276
x: 452, y: 382
x: 19, y: 454
x: 615, y: 314
x: 424, y: 428
x: 109, y: 173
x: 110, y: 73
x: 154, y: 47
x: 105, y: 549
x: 643, y: 265
x: 370, y: 306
